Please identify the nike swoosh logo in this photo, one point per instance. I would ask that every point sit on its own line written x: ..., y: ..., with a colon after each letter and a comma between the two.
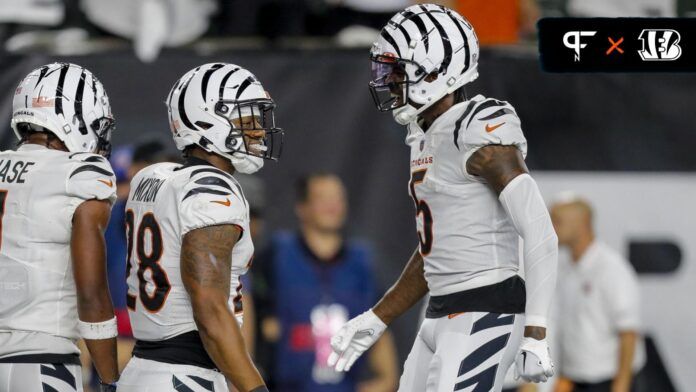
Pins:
x: 490, y: 129
x: 225, y: 203
x: 108, y: 183
x: 365, y: 332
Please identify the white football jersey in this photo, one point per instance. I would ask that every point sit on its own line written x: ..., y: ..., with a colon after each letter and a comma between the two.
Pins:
x: 466, y: 238
x: 166, y: 201
x: 40, y: 189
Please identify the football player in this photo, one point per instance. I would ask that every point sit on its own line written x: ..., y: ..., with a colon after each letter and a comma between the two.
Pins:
x: 474, y: 198
x: 189, y: 239
x: 56, y: 192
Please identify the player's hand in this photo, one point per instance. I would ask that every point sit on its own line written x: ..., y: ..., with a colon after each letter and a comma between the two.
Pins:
x: 353, y: 339
x: 533, y: 362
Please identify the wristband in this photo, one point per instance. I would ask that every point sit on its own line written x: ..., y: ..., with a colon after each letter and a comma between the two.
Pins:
x: 96, y: 331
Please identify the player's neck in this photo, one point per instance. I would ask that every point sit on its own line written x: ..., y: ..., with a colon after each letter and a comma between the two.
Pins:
x: 43, y: 139
x: 221, y: 163
x: 323, y: 243
x: 580, y: 246
x: 432, y: 113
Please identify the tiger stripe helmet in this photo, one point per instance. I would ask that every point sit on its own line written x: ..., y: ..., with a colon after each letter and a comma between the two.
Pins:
x: 419, y: 41
x: 68, y: 101
x: 203, y: 105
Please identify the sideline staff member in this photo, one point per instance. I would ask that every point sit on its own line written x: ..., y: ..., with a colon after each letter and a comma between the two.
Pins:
x: 599, y: 318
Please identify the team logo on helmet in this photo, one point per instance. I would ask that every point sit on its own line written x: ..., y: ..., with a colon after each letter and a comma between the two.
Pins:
x: 43, y: 102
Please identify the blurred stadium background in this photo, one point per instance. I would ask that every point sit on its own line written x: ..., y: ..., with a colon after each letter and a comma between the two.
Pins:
x: 624, y: 141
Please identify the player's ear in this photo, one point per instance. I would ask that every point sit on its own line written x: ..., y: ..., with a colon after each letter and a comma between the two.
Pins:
x: 431, y: 77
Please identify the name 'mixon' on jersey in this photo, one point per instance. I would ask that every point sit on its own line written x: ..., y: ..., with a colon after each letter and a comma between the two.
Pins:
x: 166, y: 201
x: 40, y: 189
x: 465, y: 235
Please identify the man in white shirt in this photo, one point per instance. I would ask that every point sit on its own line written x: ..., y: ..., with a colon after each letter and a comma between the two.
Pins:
x: 599, y: 314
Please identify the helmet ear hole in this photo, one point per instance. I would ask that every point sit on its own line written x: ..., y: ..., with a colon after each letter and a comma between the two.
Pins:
x: 203, y: 124
x: 431, y: 77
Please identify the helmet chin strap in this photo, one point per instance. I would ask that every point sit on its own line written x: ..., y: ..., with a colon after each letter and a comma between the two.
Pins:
x: 242, y: 162
x: 246, y: 164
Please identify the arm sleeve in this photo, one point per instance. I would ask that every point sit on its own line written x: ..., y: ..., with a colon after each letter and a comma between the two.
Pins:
x: 526, y: 209
x: 497, y: 124
x: 211, y: 200
x: 91, y: 177
x: 623, y: 297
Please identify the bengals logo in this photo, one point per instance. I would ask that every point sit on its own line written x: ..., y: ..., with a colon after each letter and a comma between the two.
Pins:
x: 660, y: 45
x: 43, y: 102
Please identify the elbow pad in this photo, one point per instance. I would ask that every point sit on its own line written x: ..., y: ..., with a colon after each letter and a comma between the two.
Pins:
x: 526, y: 209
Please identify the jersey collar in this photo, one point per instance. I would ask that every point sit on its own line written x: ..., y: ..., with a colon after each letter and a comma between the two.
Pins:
x: 589, y: 257
x: 193, y: 161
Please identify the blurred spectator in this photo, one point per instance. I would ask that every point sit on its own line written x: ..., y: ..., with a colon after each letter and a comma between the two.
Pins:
x: 152, y: 24
x: 19, y: 16
x: 618, y: 8
x: 599, y: 314
x: 315, y: 281
x: 500, y: 21
x: 32, y: 12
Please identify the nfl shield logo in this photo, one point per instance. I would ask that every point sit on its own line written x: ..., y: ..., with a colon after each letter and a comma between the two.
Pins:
x: 422, y: 144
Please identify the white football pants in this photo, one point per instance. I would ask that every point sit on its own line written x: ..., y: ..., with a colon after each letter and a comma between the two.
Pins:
x: 40, y: 377
x: 468, y: 352
x: 142, y: 375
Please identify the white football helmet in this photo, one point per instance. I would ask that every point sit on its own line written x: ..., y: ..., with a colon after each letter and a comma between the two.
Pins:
x: 68, y: 101
x: 205, y: 101
x: 421, y: 40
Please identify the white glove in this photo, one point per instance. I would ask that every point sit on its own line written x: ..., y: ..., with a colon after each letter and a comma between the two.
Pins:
x: 353, y: 339
x: 533, y: 362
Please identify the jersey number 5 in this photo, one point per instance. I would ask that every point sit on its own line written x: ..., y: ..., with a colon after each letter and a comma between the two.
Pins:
x: 147, y: 260
x: 426, y: 236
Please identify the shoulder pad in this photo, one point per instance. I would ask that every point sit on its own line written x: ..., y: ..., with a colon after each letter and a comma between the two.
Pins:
x: 91, y: 177
x: 212, y: 181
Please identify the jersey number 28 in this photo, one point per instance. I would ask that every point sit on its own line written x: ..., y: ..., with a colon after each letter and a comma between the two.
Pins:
x: 422, y: 209
x: 147, y: 260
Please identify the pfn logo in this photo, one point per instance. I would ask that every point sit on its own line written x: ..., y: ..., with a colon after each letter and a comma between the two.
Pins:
x: 575, y: 43
x: 660, y: 45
